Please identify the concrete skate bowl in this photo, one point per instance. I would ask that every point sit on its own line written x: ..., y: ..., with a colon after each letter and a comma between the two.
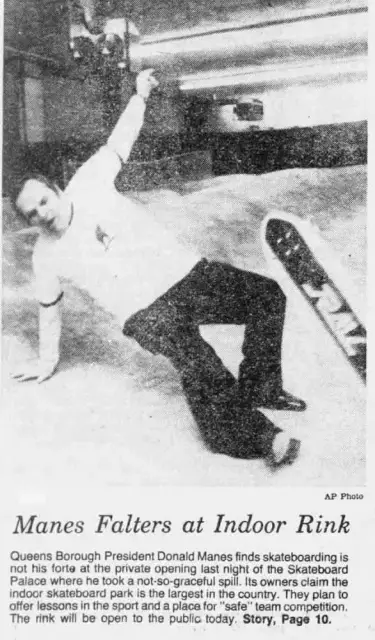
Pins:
x: 115, y: 415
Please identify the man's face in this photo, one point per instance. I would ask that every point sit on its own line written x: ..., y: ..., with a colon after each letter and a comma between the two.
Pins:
x: 40, y: 205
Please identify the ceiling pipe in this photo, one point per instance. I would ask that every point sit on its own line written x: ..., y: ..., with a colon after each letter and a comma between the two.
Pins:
x: 276, y: 76
x: 252, y: 54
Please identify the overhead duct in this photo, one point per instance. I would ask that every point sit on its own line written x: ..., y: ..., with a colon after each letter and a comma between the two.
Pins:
x: 230, y: 56
x: 304, y: 69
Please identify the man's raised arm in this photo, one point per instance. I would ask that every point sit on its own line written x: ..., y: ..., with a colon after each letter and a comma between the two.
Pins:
x: 100, y: 171
x: 130, y: 122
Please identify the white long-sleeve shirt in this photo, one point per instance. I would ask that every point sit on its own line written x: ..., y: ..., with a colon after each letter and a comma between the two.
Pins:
x: 112, y: 248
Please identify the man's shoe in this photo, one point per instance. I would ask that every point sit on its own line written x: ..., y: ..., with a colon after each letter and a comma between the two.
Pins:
x: 282, y: 401
x: 284, y: 450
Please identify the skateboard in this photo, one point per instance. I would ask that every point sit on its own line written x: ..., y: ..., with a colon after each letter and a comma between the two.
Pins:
x: 297, y: 246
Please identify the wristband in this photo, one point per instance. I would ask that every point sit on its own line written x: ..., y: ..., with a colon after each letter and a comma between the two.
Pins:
x: 51, y: 304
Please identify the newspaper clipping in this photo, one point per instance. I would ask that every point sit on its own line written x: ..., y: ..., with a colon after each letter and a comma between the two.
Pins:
x: 186, y: 440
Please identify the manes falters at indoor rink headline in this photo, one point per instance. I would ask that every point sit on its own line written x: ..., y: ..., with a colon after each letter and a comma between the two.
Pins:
x: 305, y: 523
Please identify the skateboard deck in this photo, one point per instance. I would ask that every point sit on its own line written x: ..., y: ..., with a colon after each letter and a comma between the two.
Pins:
x: 296, y: 246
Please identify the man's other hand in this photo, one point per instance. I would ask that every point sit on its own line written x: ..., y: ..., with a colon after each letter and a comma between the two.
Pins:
x: 145, y: 83
x: 36, y: 370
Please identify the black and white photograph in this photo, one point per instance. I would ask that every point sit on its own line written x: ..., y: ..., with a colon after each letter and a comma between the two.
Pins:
x: 184, y: 243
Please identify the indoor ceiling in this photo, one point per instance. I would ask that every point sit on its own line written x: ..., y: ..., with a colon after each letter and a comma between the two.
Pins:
x: 41, y: 25
x: 156, y: 16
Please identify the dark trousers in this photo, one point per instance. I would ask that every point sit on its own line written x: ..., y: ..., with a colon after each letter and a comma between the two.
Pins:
x: 216, y: 293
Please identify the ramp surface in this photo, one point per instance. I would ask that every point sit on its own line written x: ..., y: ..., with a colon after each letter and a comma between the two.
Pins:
x: 114, y: 415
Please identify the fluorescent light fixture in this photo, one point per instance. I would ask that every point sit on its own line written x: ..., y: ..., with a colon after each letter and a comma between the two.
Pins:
x: 276, y: 75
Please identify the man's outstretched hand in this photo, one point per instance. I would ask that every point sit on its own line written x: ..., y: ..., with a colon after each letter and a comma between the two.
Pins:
x: 145, y: 83
x: 35, y: 370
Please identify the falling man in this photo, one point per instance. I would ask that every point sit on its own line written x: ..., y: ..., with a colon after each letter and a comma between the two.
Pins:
x: 161, y: 292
